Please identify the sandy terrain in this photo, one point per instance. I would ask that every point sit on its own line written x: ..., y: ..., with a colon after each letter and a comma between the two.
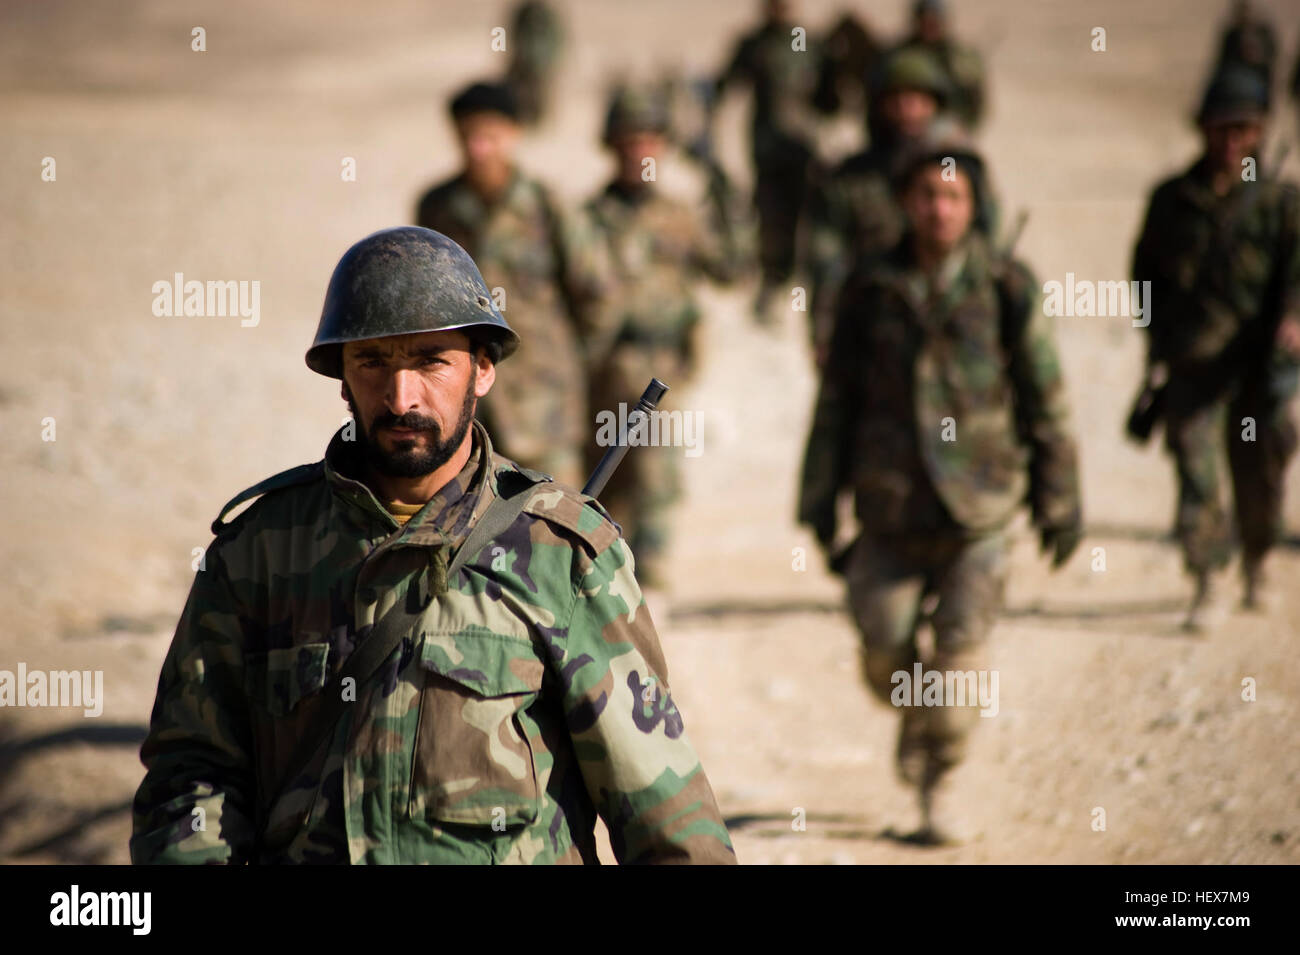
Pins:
x: 226, y: 165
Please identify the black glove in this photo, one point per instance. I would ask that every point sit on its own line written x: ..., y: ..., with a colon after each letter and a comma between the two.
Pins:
x: 1061, y: 541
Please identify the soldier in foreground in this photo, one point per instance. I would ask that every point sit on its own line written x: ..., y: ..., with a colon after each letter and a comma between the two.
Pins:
x: 942, y: 409
x: 508, y: 683
x: 541, y: 273
x: 1222, y: 256
x: 785, y: 81
x: 657, y: 247
x: 962, y: 65
x: 853, y: 214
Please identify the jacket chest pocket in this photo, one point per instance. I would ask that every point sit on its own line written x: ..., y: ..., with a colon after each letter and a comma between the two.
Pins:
x: 281, y: 686
x: 474, y: 762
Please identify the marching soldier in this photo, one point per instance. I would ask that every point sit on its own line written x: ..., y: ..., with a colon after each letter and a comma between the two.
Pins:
x: 962, y: 65
x: 854, y: 214
x: 784, y: 70
x: 942, y: 409
x: 413, y: 650
x: 649, y: 324
x: 1219, y: 247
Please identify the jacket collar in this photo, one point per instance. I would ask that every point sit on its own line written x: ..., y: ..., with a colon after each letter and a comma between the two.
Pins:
x: 445, y: 519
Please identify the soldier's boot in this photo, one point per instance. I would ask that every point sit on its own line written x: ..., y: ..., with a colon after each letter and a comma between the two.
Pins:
x: 942, y: 821
x: 1256, y: 592
x: 1207, y: 610
x: 913, y: 752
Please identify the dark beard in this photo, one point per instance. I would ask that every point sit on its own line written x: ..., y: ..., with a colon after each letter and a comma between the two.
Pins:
x: 408, y: 461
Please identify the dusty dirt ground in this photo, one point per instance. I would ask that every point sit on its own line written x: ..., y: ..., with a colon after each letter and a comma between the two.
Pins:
x: 226, y: 164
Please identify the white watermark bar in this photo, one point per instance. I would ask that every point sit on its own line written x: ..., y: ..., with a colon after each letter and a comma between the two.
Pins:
x: 56, y: 688
x: 666, y: 429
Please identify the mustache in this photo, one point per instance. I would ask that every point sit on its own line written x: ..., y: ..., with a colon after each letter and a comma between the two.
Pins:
x: 411, y: 420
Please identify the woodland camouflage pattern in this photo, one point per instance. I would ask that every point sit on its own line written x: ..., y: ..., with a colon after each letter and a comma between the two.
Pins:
x: 901, y: 363
x: 1210, y: 261
x: 649, y: 327
x: 550, y: 273
x: 533, y: 696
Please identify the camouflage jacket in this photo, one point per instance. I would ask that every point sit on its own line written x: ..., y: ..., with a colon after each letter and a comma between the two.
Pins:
x: 941, y: 410
x: 545, y: 274
x: 785, y: 83
x: 657, y: 248
x: 532, y: 696
x: 1211, y: 261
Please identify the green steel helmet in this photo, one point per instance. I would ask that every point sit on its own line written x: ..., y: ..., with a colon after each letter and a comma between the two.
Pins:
x: 401, y: 282
x: 1236, y: 93
x: 911, y: 68
x: 635, y: 110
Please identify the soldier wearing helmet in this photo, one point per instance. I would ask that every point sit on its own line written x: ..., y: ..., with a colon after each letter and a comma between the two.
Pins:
x: 1221, y: 248
x: 853, y: 213
x: 414, y: 650
x: 941, y: 410
x: 541, y: 272
x: 962, y: 66
x: 657, y: 247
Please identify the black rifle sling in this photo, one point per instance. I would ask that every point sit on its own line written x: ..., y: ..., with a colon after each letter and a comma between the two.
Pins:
x: 386, y: 636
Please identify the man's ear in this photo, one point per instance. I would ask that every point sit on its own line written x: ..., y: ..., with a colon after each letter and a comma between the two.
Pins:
x: 486, y: 372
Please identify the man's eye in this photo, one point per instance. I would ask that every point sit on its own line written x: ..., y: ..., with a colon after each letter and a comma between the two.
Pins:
x: 431, y: 360
x: 373, y: 363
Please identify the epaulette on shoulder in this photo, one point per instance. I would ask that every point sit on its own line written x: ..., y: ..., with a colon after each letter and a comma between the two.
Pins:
x: 571, y: 509
x: 302, y: 474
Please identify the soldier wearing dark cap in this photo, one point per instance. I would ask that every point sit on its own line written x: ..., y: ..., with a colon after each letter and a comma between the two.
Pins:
x: 942, y: 409
x: 962, y: 65
x: 542, y: 273
x: 1219, y: 247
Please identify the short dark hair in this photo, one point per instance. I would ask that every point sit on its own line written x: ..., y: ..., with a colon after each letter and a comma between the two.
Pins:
x: 485, y: 98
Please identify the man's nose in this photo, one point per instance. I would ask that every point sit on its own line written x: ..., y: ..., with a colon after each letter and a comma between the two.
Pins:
x: 403, y: 390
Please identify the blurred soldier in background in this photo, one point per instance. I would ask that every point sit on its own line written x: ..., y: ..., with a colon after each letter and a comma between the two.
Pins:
x: 543, y: 273
x: 536, y: 39
x: 943, y: 409
x: 784, y: 66
x: 649, y: 325
x: 1219, y: 247
x: 1249, y: 41
x: 962, y: 65
x: 854, y: 214
x: 850, y: 57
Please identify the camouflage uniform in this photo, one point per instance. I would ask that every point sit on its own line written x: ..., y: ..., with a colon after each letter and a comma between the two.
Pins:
x: 907, y: 353
x: 1223, y: 269
x: 531, y: 696
x: 1249, y: 41
x: 549, y: 273
x: 535, y: 41
x: 964, y: 69
x: 657, y: 247
x: 785, y: 82
x: 853, y: 213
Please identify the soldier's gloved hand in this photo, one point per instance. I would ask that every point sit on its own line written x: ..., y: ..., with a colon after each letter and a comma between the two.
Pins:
x: 1061, y: 541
